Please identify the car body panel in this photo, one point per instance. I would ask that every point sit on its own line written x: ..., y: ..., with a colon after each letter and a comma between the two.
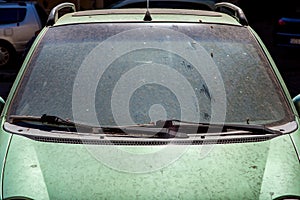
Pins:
x: 74, y: 171
x: 5, y: 140
x: 296, y: 141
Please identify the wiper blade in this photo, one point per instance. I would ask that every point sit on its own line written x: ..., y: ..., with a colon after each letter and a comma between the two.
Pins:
x: 57, y: 123
x: 49, y: 119
x: 204, y: 127
x: 52, y: 122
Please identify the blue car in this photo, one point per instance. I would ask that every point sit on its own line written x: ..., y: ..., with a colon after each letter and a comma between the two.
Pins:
x: 287, y: 28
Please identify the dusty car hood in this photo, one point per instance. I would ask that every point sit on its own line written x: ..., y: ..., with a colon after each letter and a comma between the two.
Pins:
x: 43, y: 170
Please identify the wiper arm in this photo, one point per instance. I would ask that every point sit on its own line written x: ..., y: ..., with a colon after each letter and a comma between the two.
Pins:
x: 257, y: 129
x: 203, y: 127
x: 142, y: 132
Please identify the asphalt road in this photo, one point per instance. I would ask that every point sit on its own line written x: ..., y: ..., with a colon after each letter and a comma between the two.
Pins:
x: 287, y: 61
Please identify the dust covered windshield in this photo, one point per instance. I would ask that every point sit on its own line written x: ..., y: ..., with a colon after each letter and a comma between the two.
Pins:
x: 122, y: 74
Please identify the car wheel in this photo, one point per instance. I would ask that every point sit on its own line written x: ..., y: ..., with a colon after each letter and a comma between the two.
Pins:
x: 6, y: 54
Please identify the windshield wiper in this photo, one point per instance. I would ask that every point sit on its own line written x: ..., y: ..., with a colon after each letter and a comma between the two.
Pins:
x: 50, y: 122
x: 223, y: 128
x: 160, y: 129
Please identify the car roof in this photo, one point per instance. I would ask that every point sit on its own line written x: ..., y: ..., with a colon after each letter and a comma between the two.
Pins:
x: 225, y: 13
x: 137, y: 15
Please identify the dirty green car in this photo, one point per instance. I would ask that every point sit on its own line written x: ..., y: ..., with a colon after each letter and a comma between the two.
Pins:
x: 149, y: 104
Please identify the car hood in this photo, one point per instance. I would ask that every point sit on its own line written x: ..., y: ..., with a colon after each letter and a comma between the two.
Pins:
x: 256, y: 170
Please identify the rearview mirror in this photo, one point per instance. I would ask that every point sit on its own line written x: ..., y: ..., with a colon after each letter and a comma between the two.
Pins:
x: 2, y: 102
x: 296, y: 101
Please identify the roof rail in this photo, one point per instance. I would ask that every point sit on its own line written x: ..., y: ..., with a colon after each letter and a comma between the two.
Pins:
x: 233, y: 11
x: 53, y: 16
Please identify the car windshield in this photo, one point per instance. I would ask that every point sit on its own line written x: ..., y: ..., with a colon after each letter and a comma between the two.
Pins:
x: 136, y: 73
